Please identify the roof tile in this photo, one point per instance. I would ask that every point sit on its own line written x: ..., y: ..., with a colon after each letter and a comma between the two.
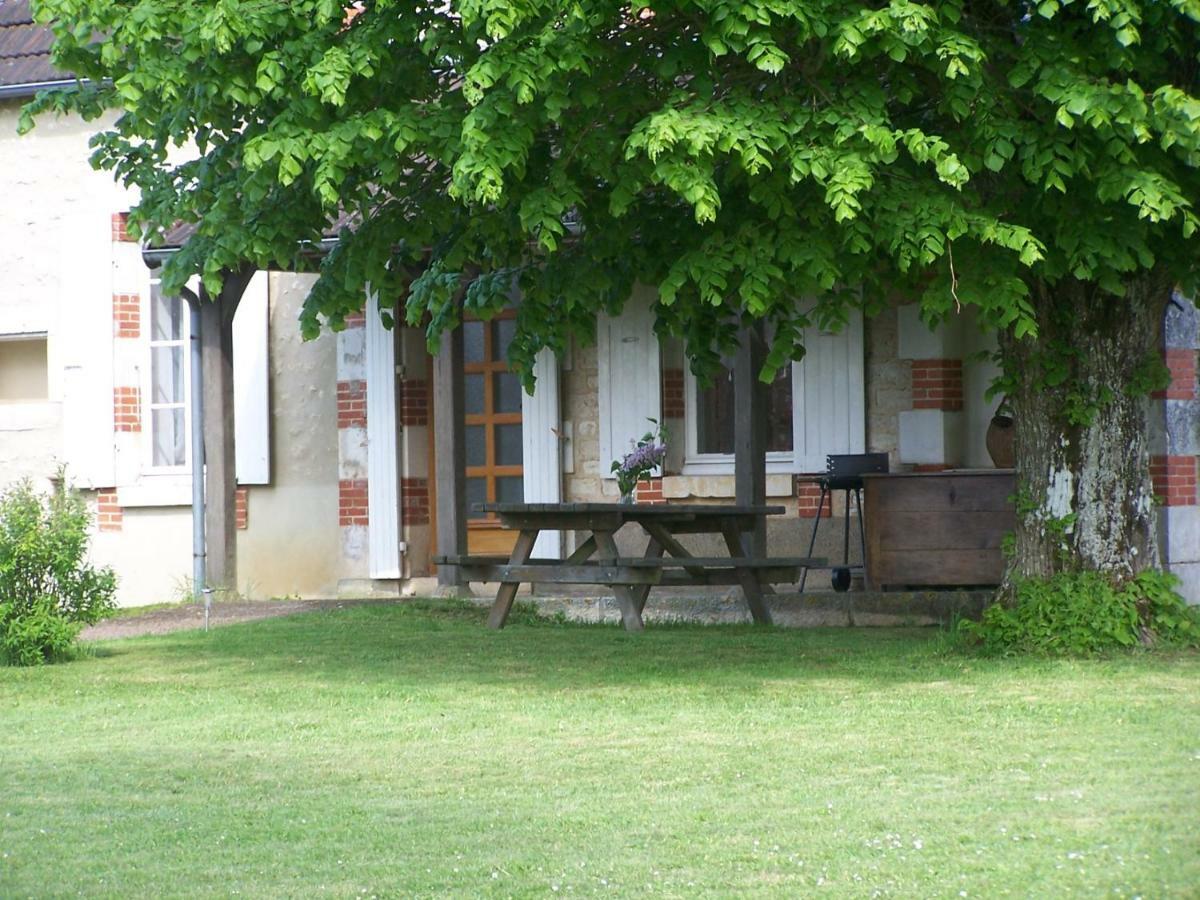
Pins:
x: 24, y: 47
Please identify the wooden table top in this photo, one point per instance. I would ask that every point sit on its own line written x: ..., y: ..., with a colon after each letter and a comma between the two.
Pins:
x: 630, y: 510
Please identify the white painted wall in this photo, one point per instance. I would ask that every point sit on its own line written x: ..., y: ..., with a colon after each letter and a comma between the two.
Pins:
x: 60, y: 270
x: 55, y: 228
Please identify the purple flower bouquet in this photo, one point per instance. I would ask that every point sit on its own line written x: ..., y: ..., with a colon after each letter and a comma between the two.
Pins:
x: 646, y: 456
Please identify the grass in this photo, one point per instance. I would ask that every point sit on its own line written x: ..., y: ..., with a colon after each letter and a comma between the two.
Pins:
x: 406, y: 750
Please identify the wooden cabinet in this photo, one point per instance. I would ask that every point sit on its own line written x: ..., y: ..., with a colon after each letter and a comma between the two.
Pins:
x: 937, y: 528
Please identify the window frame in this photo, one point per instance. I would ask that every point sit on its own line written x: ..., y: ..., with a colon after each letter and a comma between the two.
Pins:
x: 697, y: 463
x: 148, y: 404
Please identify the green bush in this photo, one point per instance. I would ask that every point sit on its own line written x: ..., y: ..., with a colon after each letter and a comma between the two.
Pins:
x: 48, y: 589
x: 1083, y: 613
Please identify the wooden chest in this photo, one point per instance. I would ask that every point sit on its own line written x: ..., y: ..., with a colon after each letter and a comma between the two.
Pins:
x: 937, y: 528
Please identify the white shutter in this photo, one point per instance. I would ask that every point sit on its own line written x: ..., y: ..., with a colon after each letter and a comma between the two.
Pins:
x: 541, y: 455
x: 87, y: 418
x: 629, y: 370
x: 829, y: 413
x: 383, y: 488
x: 84, y: 338
x: 251, y: 384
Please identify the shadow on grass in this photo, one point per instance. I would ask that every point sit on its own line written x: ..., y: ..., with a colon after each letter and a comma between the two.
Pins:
x: 442, y: 642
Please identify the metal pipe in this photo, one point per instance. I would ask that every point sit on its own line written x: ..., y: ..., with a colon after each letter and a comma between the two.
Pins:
x: 11, y: 91
x: 199, y: 560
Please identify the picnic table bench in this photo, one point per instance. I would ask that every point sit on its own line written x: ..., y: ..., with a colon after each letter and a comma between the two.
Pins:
x: 665, y: 563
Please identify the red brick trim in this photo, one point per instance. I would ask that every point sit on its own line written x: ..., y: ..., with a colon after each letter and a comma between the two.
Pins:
x: 120, y: 228
x: 351, y: 404
x: 650, y: 491
x: 127, y: 315
x: 937, y: 384
x: 241, y: 508
x: 356, y: 320
x: 127, y: 409
x: 808, y: 494
x: 108, y: 511
x: 414, y: 501
x: 1174, y: 479
x: 414, y: 401
x: 1181, y: 362
x: 672, y: 394
x: 352, y: 501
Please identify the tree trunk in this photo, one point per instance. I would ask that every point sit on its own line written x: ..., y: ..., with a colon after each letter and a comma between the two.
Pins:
x: 220, y: 457
x: 1080, y: 402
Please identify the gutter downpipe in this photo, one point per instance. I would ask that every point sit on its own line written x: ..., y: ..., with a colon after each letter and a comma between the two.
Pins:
x: 199, y: 553
x: 153, y: 260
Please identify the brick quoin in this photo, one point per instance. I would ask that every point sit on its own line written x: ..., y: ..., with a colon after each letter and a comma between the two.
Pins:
x: 1174, y: 479
x: 650, y: 492
x: 127, y: 315
x: 414, y: 401
x: 352, y: 501
x: 351, y: 404
x: 108, y: 511
x: 241, y: 507
x: 1181, y: 362
x: 120, y: 228
x: 414, y: 501
x: 937, y: 384
x: 127, y: 409
x: 672, y: 394
x: 808, y: 495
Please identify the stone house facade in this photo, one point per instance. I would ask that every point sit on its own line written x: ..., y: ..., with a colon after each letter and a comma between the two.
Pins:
x: 335, y: 436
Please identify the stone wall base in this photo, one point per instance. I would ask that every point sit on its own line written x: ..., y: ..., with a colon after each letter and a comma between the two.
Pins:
x: 809, y: 610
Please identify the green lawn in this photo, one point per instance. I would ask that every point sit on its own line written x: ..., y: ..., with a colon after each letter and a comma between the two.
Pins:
x: 401, y: 751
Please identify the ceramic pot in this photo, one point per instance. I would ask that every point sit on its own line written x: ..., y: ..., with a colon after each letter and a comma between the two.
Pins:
x: 1000, y: 441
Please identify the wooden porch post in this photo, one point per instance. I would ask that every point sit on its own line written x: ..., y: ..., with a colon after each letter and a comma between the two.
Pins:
x: 450, y: 452
x: 750, y: 432
x: 220, y: 481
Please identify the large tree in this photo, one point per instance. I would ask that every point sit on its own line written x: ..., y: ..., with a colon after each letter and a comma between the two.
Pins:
x: 1035, y: 161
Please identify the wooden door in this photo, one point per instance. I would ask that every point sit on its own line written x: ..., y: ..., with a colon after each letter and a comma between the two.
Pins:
x: 495, y: 470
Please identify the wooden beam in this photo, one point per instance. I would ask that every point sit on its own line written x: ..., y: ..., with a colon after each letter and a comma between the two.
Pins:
x: 450, y: 452
x: 220, y: 458
x: 750, y: 432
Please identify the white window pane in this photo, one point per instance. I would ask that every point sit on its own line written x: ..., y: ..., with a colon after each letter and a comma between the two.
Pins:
x: 169, y: 438
x: 166, y: 375
x: 166, y: 316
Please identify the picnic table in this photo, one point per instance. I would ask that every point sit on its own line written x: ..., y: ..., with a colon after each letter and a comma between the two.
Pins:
x: 666, y: 562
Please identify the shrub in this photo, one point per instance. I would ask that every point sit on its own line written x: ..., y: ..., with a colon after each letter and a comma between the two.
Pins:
x: 48, y: 589
x: 1082, y: 613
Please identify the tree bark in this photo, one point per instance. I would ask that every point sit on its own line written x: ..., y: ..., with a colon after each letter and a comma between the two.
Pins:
x: 1080, y: 404
x: 220, y: 457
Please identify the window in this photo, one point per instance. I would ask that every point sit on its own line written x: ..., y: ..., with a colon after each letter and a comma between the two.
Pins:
x: 23, y: 368
x: 714, y: 407
x: 168, y: 380
x: 165, y: 384
x: 815, y: 407
x: 495, y: 470
x: 710, y: 418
